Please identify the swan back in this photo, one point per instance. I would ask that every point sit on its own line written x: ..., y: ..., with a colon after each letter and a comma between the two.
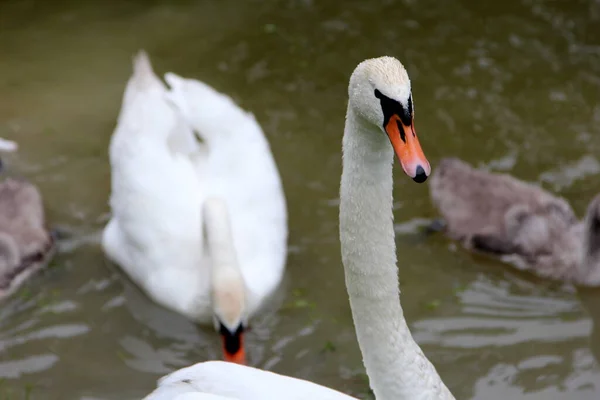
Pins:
x: 240, y: 382
x: 150, y: 227
x: 241, y: 170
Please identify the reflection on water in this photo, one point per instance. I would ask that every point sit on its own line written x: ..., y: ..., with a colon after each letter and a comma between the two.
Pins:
x: 566, y: 175
x: 533, y: 338
x: 509, y: 86
x: 510, y: 381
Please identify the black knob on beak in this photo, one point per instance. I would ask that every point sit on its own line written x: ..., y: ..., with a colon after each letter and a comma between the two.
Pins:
x: 420, y: 176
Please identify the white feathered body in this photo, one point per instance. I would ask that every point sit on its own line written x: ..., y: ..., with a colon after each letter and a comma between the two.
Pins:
x: 161, y: 175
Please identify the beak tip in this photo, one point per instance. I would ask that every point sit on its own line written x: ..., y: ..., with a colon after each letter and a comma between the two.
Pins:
x: 420, y: 175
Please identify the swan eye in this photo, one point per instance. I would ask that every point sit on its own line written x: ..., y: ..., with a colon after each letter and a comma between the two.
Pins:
x: 391, y: 107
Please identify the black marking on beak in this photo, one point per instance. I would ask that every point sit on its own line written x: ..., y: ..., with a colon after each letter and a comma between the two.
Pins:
x: 232, y: 340
x: 391, y: 107
x: 420, y: 176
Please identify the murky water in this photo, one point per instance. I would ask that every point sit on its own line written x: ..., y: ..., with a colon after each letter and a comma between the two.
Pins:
x: 510, y: 85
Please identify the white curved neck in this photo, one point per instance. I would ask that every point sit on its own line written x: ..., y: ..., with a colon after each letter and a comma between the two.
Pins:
x: 219, y: 238
x: 228, y: 288
x: 395, y: 364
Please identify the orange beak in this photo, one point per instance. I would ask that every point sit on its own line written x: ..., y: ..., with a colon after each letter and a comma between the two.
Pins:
x: 239, y: 355
x: 407, y: 148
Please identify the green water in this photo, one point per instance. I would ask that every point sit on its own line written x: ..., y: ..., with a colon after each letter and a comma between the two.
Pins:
x: 512, y: 85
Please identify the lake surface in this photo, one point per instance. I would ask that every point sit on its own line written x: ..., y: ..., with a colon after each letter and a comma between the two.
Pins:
x: 511, y: 85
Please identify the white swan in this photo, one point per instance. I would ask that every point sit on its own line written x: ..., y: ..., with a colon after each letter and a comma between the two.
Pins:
x: 8, y: 145
x: 169, y: 191
x: 379, y: 101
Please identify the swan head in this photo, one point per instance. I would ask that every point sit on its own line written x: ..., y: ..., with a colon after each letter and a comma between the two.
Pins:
x: 229, y: 306
x: 380, y: 93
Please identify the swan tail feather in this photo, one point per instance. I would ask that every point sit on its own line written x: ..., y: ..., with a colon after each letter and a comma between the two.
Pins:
x: 143, y: 74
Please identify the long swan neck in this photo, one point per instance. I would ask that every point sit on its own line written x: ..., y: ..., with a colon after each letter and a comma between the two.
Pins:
x: 395, y: 364
x: 219, y: 238
x: 228, y: 288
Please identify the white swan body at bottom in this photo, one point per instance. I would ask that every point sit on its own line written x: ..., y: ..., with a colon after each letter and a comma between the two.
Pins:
x: 227, y: 380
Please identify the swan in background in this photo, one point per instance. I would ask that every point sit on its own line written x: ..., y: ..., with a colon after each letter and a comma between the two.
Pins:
x: 526, y: 225
x: 379, y: 111
x: 8, y: 145
x: 26, y: 245
x: 200, y: 226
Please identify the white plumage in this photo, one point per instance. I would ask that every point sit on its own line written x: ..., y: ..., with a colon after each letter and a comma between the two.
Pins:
x: 161, y: 177
x: 397, y: 368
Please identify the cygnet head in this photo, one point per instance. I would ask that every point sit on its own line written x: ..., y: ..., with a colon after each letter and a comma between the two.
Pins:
x: 228, y: 287
x: 591, y: 240
x: 380, y: 92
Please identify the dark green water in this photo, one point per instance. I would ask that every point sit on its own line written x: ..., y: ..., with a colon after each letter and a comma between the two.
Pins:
x: 512, y: 85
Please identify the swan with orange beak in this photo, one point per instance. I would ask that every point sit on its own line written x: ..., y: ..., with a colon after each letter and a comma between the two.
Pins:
x: 204, y: 235
x: 379, y: 97
x: 398, y: 124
